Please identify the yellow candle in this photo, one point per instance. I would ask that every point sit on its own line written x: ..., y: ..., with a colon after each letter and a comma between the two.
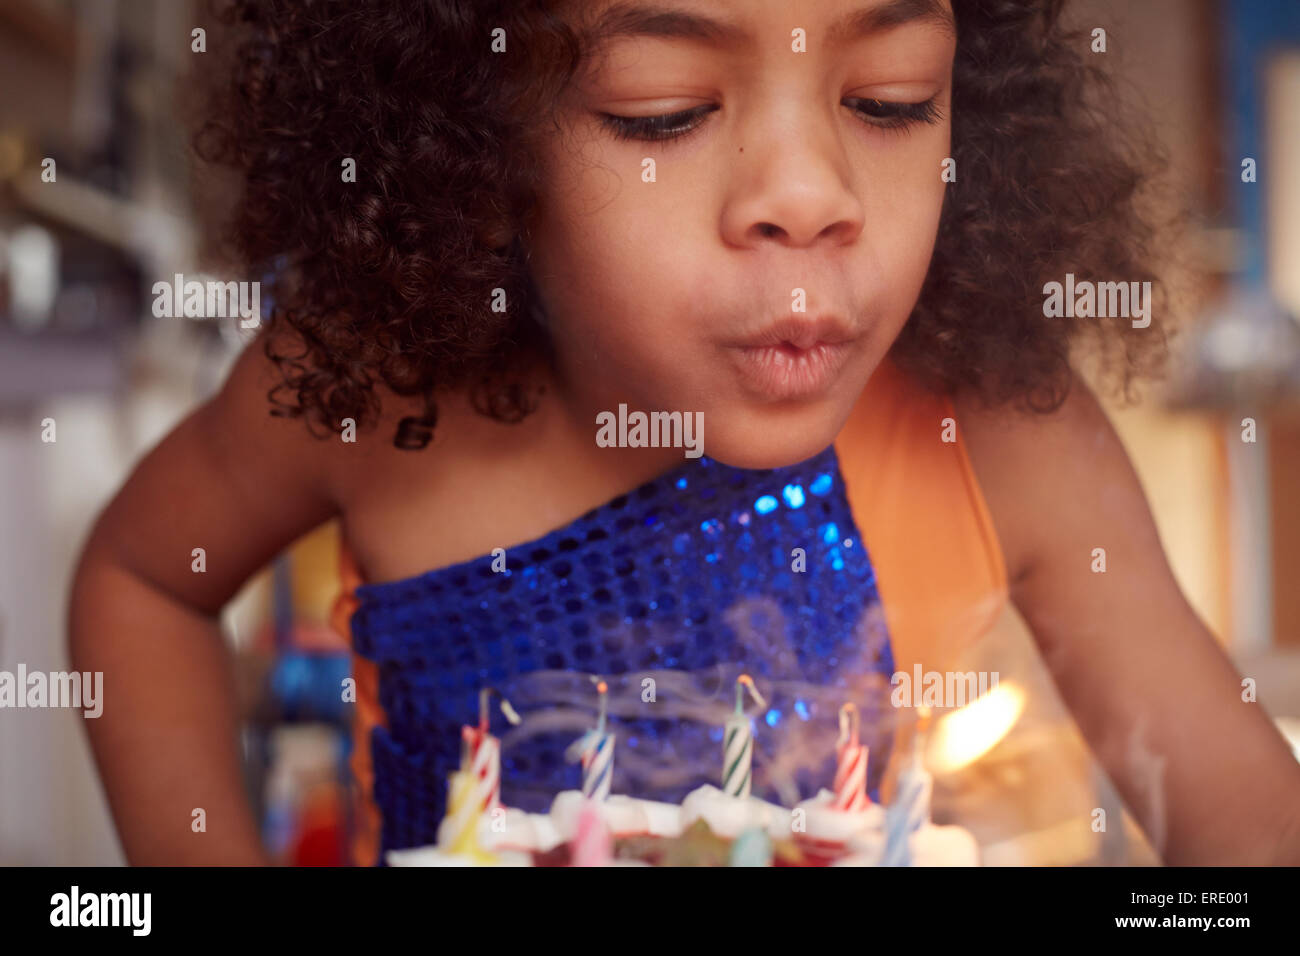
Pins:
x: 459, y: 831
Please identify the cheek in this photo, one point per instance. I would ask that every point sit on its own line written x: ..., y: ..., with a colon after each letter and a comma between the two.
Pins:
x: 609, y: 264
x: 612, y: 281
x: 901, y: 225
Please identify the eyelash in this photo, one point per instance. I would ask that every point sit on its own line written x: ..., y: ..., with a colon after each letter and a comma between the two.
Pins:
x: 672, y: 126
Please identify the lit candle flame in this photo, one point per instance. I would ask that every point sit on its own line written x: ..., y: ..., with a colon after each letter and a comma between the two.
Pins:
x: 602, y: 691
x: 967, y: 734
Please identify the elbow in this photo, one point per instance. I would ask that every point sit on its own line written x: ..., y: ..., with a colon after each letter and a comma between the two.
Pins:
x: 84, y: 600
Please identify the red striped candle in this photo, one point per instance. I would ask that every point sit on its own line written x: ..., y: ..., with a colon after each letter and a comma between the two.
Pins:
x: 481, y: 752
x: 851, y: 768
x: 483, y: 762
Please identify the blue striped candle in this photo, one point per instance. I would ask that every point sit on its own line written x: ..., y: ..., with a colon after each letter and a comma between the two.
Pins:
x: 910, y: 809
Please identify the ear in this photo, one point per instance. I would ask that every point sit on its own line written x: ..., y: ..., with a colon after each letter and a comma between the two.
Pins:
x: 496, y: 235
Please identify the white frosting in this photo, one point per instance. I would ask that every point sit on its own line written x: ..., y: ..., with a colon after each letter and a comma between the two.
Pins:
x: 861, y: 833
x: 432, y: 856
x: 929, y: 846
x: 824, y: 824
x: 519, y: 830
x: 729, y: 816
x: 625, y: 816
x: 944, y: 846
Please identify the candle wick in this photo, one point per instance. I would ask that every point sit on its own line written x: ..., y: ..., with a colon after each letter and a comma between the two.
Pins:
x: 603, y: 690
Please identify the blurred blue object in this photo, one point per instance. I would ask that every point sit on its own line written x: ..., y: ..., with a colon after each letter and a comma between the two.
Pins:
x: 1253, y: 31
x: 308, y: 686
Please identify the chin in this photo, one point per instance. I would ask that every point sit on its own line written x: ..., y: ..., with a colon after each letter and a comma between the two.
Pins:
x: 746, y: 434
x: 761, y: 443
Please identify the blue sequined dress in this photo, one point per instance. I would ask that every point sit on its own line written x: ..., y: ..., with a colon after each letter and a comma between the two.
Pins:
x: 669, y: 592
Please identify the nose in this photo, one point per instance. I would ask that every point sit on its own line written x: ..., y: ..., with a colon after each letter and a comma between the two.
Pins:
x: 793, y: 189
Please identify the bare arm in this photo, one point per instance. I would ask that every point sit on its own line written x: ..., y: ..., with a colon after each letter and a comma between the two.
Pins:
x: 241, y: 485
x: 1208, y: 776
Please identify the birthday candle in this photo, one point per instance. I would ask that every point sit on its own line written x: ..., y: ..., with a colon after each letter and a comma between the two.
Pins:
x: 458, y: 832
x: 911, y: 807
x: 738, y: 743
x: 598, y: 767
x: 481, y: 753
x: 851, y: 765
x: 592, y: 843
x: 482, y: 761
x: 596, y: 750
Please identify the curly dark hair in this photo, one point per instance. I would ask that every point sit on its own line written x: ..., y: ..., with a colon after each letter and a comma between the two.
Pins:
x: 392, y: 277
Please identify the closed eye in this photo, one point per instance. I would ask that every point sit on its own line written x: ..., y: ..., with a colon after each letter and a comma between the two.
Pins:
x: 672, y: 126
x: 897, y: 115
x: 656, y: 128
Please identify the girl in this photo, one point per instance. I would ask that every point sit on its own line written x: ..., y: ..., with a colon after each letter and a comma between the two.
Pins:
x: 822, y: 231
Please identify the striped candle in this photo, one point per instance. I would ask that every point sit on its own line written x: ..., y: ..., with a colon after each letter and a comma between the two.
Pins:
x: 738, y: 743
x: 910, y: 809
x: 595, y: 748
x: 908, y: 813
x: 851, y: 765
x: 481, y: 752
x: 598, y: 766
x: 737, y: 756
x: 483, y: 755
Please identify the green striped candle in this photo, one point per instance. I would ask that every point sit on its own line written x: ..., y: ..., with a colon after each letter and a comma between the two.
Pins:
x: 738, y: 743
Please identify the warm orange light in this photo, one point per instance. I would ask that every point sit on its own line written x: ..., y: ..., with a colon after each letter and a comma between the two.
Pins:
x: 965, y: 735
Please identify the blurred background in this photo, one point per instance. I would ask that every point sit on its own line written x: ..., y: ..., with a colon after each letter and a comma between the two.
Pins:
x: 99, y: 200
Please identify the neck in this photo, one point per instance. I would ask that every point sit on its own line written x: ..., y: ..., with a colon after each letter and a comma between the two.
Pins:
x: 572, y: 425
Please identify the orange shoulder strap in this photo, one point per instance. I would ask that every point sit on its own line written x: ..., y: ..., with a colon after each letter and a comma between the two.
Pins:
x: 927, y: 529
x: 369, y: 714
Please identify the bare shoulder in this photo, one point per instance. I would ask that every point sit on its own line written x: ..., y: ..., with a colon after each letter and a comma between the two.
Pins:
x: 337, y: 458
x: 239, y: 424
x: 1056, y: 482
x: 387, y: 498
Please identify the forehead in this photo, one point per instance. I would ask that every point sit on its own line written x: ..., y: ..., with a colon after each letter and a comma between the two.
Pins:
x: 737, y: 24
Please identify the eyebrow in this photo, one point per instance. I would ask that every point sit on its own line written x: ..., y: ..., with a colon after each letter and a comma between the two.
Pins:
x: 626, y: 20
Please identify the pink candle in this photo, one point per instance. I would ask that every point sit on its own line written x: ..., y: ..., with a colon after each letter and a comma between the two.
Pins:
x: 592, y: 843
x: 851, y: 768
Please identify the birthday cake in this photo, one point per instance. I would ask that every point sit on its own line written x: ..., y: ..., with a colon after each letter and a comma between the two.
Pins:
x: 712, y: 826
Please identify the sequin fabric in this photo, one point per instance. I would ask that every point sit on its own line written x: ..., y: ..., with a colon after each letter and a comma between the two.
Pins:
x: 669, y: 592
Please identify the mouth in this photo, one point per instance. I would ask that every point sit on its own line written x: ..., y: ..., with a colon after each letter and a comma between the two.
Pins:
x: 794, y: 357
x: 801, y: 333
